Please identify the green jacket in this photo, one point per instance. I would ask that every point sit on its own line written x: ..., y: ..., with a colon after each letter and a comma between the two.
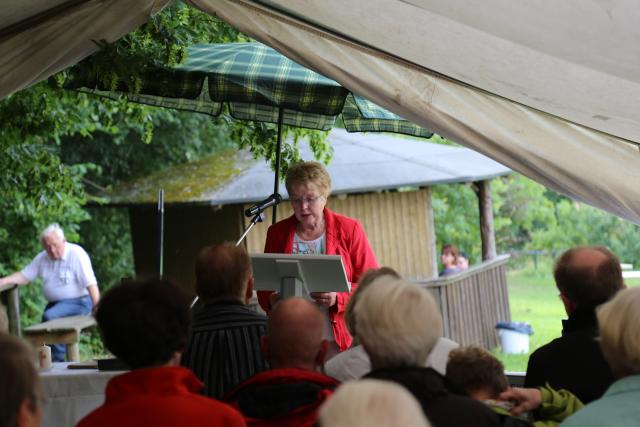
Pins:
x: 555, y: 407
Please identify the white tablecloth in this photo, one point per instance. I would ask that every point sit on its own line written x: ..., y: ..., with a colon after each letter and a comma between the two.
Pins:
x: 72, y: 393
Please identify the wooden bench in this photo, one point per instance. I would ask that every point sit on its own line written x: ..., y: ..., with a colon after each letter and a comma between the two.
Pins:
x: 65, y: 330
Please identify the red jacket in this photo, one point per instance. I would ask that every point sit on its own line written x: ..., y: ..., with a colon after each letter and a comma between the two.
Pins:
x: 345, y: 237
x: 284, y: 397
x: 159, y: 397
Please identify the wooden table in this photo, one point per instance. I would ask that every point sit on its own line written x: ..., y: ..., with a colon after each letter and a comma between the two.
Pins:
x: 64, y: 330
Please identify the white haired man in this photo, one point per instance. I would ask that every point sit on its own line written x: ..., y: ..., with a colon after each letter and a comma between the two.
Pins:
x: 70, y: 286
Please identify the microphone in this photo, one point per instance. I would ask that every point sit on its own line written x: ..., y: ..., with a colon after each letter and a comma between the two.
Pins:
x: 259, y: 207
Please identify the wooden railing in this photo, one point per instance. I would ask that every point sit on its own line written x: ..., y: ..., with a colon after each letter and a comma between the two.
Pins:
x: 473, y: 301
x: 10, y: 304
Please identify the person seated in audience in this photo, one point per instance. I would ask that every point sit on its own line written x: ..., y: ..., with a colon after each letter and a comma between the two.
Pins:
x: 586, y: 277
x: 449, y: 257
x: 372, y: 403
x: 619, y: 327
x: 145, y: 324
x: 462, y: 261
x: 354, y: 363
x: 480, y: 375
x: 224, y: 346
x: 291, y: 393
x: 21, y: 395
x: 398, y: 324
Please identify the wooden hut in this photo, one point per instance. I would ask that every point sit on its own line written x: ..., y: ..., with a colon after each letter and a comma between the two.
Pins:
x: 382, y: 180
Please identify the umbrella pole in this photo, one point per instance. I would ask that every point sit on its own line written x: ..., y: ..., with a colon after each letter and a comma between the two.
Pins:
x: 276, y: 184
x: 160, y: 231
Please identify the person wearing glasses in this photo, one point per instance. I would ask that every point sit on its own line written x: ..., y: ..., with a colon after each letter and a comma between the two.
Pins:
x: 314, y: 229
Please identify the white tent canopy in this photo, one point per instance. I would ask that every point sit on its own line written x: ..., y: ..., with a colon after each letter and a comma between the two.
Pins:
x: 550, y: 89
x: 38, y: 38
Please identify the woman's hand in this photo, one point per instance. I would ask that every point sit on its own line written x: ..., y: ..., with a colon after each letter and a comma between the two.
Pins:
x: 324, y: 299
x: 524, y: 399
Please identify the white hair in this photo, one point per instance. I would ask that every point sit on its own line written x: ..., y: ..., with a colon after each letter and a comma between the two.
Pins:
x: 52, y: 229
x: 372, y: 403
x: 398, y: 323
x: 619, y: 322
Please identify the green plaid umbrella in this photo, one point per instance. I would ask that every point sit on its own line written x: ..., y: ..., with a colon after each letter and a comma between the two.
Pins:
x: 256, y: 83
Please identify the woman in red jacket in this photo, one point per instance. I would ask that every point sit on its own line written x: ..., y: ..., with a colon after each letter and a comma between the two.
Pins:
x: 313, y: 229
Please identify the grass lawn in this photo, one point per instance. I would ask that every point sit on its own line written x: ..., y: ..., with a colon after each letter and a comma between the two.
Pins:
x: 534, y: 299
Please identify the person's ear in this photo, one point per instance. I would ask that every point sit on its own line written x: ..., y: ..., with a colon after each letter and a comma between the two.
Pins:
x: 26, y: 417
x: 322, y: 353
x: 264, y: 348
x: 569, y: 307
x: 249, y: 292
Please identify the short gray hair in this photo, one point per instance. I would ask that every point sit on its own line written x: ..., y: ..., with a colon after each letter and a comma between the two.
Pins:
x: 398, y: 323
x: 53, y: 228
x: 619, y: 322
x: 372, y: 403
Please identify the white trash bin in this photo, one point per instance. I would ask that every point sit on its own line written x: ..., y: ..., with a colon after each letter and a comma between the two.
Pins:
x: 514, y: 337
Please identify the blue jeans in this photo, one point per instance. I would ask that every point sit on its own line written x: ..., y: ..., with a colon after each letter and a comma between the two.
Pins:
x: 65, y: 308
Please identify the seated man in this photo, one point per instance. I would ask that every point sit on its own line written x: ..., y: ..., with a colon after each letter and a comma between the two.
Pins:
x: 20, y: 391
x: 291, y: 393
x: 480, y: 375
x: 586, y: 277
x: 224, y: 346
x: 398, y: 324
x: 145, y: 324
x: 619, y: 326
x: 69, y: 284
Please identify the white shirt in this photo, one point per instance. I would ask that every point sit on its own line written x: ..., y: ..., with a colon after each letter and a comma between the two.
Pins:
x: 314, y: 247
x: 64, y: 278
x: 354, y: 363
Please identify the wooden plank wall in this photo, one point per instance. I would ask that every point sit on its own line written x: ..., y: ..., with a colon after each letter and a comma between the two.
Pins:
x: 472, y: 302
x: 398, y: 226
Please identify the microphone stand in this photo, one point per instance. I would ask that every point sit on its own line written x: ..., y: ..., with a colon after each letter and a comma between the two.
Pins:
x: 258, y: 217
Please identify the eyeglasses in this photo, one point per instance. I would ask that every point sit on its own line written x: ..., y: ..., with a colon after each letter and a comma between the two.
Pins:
x: 308, y: 200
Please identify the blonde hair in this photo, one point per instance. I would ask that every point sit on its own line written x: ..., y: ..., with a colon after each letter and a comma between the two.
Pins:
x: 619, y: 322
x: 398, y: 323
x: 308, y: 173
x: 372, y: 403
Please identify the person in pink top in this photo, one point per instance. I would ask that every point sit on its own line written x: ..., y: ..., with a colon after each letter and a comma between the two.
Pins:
x: 314, y: 229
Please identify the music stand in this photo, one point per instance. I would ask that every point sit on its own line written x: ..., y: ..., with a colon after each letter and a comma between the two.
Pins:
x: 297, y: 275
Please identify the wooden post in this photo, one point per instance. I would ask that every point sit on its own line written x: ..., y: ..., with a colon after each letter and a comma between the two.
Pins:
x: 431, y: 234
x: 13, y: 311
x: 485, y: 205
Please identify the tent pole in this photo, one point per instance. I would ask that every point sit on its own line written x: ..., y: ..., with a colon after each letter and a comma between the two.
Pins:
x: 276, y: 184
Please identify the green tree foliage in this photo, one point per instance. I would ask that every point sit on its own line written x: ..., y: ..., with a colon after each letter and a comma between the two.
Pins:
x: 57, y: 145
x: 529, y: 217
x: 455, y: 210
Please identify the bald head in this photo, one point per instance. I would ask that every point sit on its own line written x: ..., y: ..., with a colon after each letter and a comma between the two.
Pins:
x: 588, y: 275
x: 295, y: 335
